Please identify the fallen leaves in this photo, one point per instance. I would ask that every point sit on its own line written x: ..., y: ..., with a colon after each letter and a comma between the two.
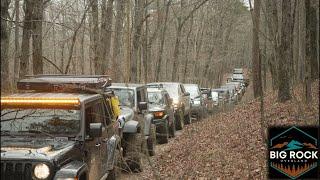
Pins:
x: 229, y: 145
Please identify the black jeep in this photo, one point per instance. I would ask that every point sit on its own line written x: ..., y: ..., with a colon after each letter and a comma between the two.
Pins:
x: 59, y: 127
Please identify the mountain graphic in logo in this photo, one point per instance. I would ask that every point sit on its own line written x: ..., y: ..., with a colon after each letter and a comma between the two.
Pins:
x: 293, y: 153
x: 294, y: 145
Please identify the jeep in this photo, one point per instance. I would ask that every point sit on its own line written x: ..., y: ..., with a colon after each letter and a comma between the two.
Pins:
x: 135, y: 97
x: 160, y: 104
x: 198, y: 109
x: 181, y: 102
x: 59, y: 127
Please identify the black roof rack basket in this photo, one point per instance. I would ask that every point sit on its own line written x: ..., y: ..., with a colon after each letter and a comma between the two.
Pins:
x: 154, y: 85
x: 59, y: 82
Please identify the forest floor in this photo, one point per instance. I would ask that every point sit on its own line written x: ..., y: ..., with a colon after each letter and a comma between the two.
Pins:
x: 228, y: 144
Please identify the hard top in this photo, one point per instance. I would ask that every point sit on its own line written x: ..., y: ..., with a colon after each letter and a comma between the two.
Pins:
x: 176, y: 83
x: 220, y: 89
x: 191, y: 85
x: 126, y: 86
x: 154, y: 89
x: 59, y: 82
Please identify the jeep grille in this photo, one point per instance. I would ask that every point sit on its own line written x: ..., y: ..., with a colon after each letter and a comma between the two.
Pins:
x: 16, y: 171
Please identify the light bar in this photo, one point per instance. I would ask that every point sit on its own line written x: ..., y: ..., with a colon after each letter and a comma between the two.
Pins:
x: 42, y: 102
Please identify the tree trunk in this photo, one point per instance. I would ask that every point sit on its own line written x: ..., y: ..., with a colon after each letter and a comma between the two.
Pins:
x: 16, y: 41
x: 175, y: 57
x: 138, y: 13
x: 105, y: 34
x: 312, y: 29
x: 95, y: 21
x: 162, y: 39
x: 256, y: 61
x: 116, y: 60
x: 284, y: 52
x: 308, y: 58
x: 37, y: 37
x: 145, y: 46
x: 5, y: 82
x: 26, y: 35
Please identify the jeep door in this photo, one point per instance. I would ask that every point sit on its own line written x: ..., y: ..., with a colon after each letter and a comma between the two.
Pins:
x: 169, y: 107
x: 185, y: 99
x: 95, y: 147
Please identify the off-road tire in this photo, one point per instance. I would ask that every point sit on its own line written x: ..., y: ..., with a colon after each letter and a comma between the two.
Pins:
x: 133, y: 144
x: 151, y: 143
x: 172, y: 128
x: 163, y: 137
x: 187, y: 118
x: 114, y: 174
x: 179, y: 120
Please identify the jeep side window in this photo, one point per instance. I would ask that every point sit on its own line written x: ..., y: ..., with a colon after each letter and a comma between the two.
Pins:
x: 141, y: 95
x: 94, y: 114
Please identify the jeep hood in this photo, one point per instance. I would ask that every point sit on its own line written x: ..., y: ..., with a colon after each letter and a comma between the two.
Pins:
x: 45, y: 149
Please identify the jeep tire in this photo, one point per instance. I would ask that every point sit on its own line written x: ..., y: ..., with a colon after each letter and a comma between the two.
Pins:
x: 187, y: 118
x: 115, y: 172
x: 151, y: 142
x: 172, y: 128
x: 133, y: 146
x: 163, y: 137
x: 179, y: 120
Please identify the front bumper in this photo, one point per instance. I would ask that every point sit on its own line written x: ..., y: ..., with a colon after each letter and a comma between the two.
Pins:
x: 196, y: 109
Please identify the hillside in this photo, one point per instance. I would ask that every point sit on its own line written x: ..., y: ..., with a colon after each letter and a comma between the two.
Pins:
x: 228, y: 145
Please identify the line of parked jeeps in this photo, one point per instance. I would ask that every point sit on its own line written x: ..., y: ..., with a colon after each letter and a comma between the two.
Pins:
x: 64, y: 127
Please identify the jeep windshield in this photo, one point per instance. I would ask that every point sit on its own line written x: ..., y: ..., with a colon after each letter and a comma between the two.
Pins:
x: 40, y: 121
x: 126, y: 97
x: 172, y: 90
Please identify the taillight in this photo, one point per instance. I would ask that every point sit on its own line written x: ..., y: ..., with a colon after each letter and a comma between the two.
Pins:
x: 158, y: 114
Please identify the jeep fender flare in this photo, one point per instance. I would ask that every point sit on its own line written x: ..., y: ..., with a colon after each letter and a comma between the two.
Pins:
x: 71, y: 170
x: 131, y: 126
x: 112, y: 144
x: 147, y: 124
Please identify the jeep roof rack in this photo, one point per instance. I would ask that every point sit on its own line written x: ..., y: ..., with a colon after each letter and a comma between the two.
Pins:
x: 59, y: 82
x: 154, y: 86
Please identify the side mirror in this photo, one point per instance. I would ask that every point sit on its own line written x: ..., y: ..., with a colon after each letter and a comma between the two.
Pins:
x: 95, y: 130
x: 143, y: 106
x: 186, y: 94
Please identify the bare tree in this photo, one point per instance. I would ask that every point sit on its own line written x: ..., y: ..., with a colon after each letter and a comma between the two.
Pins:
x: 137, y: 25
x: 5, y: 82
x: 284, y: 53
x: 37, y: 18
x: 116, y: 60
x: 105, y: 33
x: 25, y: 44
x: 256, y: 61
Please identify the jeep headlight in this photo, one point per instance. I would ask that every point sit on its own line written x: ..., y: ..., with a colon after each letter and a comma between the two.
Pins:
x: 175, y: 101
x: 41, y: 171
